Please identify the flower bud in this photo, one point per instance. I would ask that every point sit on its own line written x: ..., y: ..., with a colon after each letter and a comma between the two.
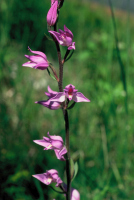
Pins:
x: 52, y: 14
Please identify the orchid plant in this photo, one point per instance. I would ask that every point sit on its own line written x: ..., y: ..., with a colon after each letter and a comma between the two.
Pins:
x: 57, y: 100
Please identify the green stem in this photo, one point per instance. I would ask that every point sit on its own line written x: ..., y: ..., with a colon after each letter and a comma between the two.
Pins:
x: 65, y: 113
x: 68, y: 154
x: 123, y: 75
x: 60, y: 83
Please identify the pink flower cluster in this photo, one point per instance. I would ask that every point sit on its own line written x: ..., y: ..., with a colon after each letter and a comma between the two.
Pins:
x: 51, y: 176
x: 56, y: 100
x: 39, y: 60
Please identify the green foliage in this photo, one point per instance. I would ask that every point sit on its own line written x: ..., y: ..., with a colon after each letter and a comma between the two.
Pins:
x: 101, y: 131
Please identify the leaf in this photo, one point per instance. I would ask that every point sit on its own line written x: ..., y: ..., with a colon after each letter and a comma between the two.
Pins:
x: 75, y: 170
x: 50, y: 74
x: 72, y: 105
x: 72, y: 168
x: 48, y: 37
x: 69, y: 56
x: 56, y: 190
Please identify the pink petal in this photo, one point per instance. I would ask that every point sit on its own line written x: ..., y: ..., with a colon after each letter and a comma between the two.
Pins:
x: 68, y: 31
x: 68, y: 41
x: 29, y: 64
x: 72, y: 46
x: 59, y: 157
x: 50, y: 104
x: 52, y: 2
x: 51, y: 91
x: 59, y: 182
x: 43, y: 178
x: 57, y: 36
x: 43, y: 143
x: 61, y: 31
x: 79, y: 97
x: 52, y: 171
x: 56, y: 141
x: 48, y: 94
x: 60, y: 97
x: 75, y: 194
x: 56, y: 137
x: 38, y: 53
x: 68, y: 86
x: 35, y: 58
x: 60, y: 153
x: 41, y: 66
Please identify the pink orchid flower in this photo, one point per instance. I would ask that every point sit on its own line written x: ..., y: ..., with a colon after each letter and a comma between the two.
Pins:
x: 53, y: 105
x: 49, y: 177
x: 55, y: 143
x: 64, y: 38
x: 37, y: 61
x: 70, y: 93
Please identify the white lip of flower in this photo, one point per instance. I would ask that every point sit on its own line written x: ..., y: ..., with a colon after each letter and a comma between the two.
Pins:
x: 63, y: 37
x: 49, y: 146
x: 70, y: 96
x: 48, y: 181
x: 62, y: 98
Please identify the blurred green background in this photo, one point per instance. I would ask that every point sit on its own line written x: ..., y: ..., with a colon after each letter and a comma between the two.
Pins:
x: 101, y: 131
